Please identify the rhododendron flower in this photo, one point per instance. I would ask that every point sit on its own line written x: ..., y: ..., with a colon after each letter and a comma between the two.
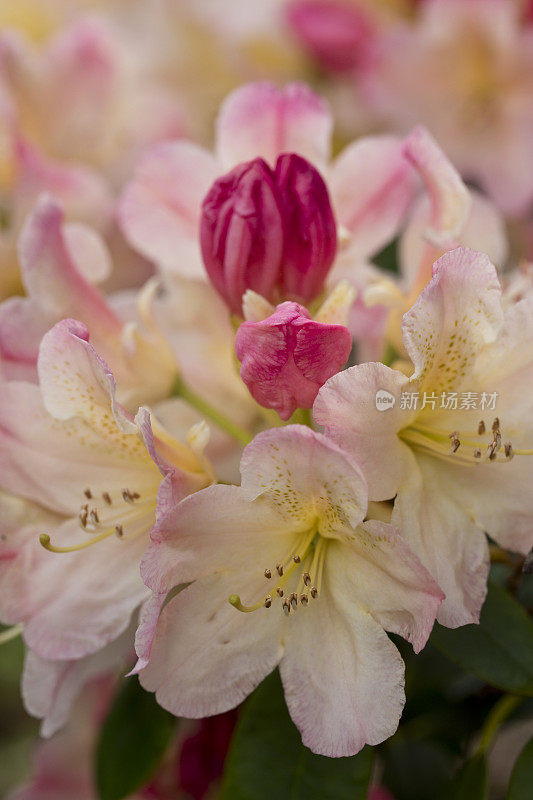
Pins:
x: 336, y: 34
x: 371, y: 184
x: 23, y: 177
x: 68, y: 446
x: 288, y: 356
x: 465, y: 71
x: 271, y: 231
x: 292, y: 553
x: 60, y: 261
x: 448, y: 214
x: 92, y: 73
x: 445, y: 442
x: 75, y: 112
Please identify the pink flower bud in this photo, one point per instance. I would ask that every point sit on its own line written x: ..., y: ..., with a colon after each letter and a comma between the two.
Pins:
x: 310, y: 228
x: 335, y: 34
x: 287, y: 357
x: 272, y: 231
x: 241, y: 232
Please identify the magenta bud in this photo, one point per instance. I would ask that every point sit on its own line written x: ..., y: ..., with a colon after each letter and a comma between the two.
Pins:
x: 287, y: 357
x: 310, y: 228
x: 272, y: 231
x: 335, y: 34
x: 241, y: 233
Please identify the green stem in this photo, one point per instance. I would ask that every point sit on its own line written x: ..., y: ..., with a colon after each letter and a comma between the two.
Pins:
x: 180, y: 389
x: 499, y: 713
x: 10, y: 633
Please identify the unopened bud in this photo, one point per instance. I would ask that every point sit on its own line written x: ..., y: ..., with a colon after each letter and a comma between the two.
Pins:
x: 286, y: 358
x: 310, y: 228
x: 241, y: 233
x: 272, y: 231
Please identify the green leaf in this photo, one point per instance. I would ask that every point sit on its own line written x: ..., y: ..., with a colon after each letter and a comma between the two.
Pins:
x: 387, y: 259
x: 470, y: 783
x: 268, y: 760
x: 132, y: 743
x: 522, y: 777
x: 500, y: 649
x: 416, y: 770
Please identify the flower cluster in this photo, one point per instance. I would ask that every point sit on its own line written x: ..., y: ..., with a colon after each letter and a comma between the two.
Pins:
x: 230, y: 440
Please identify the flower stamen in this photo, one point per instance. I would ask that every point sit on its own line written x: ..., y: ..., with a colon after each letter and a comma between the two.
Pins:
x: 285, y: 569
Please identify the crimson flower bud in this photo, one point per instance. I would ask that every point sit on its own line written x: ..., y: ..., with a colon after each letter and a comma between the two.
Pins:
x: 272, y: 231
x: 310, y: 228
x: 241, y: 233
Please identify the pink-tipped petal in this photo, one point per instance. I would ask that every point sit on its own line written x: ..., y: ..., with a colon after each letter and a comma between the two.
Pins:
x: 349, y: 691
x: 372, y: 186
x: 160, y: 209
x: 360, y: 410
x: 450, y: 199
x: 261, y: 120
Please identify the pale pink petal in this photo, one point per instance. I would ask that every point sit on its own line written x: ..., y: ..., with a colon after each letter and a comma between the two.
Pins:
x: 59, y: 262
x: 454, y: 317
x: 50, y: 688
x: 21, y: 557
x: 449, y: 198
x: 506, y: 367
x: 62, y: 766
x: 499, y: 499
x: 183, y: 471
x: 388, y: 580
x: 261, y: 120
x: 144, y: 635
x: 306, y: 478
x: 83, y: 63
x: 372, y: 186
x: 210, y: 530
x: 84, y: 600
x: 349, y: 408
x: 23, y: 324
x: 56, y: 261
x: 484, y: 230
x: 445, y: 538
x: 82, y: 191
x: 207, y: 656
x: 159, y: 211
x: 347, y: 689
x: 88, y: 251
x: 76, y: 382
x: 51, y: 463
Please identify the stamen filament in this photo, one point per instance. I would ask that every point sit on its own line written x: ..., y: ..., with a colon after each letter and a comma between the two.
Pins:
x: 235, y: 601
x: 44, y: 539
x: 284, y: 568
